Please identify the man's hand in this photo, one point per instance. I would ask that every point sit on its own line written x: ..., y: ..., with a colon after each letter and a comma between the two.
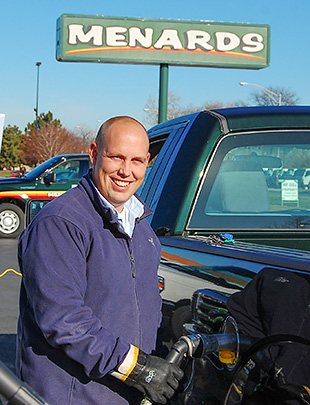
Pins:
x: 155, y: 377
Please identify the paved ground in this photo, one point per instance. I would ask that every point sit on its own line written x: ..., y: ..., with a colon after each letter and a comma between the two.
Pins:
x: 9, y: 293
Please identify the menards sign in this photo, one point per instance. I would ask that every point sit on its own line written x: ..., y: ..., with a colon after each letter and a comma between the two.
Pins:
x: 83, y: 38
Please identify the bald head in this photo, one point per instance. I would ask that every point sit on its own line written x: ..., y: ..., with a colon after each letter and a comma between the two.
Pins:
x: 122, y: 121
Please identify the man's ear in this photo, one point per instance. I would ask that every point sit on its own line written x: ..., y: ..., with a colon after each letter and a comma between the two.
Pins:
x: 93, y: 153
x: 148, y: 157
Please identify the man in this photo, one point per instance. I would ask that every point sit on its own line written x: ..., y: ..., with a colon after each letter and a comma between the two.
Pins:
x: 89, y: 300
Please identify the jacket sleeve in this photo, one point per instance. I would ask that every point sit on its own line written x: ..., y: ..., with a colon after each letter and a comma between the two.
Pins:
x: 265, y: 306
x: 275, y: 302
x: 245, y: 308
x: 52, y: 255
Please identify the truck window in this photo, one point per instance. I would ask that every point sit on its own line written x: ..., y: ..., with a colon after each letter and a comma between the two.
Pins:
x: 154, y: 150
x: 161, y: 162
x: 71, y: 170
x: 256, y: 180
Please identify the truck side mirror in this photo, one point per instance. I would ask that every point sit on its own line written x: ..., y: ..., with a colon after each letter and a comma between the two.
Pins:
x: 50, y: 178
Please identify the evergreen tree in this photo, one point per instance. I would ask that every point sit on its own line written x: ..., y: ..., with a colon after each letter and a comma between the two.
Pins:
x: 44, y: 120
x: 11, y: 146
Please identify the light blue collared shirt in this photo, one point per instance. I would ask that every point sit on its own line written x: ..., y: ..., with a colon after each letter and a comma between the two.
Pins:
x: 133, y: 209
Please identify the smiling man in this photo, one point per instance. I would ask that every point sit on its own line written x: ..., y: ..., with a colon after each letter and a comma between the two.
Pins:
x: 89, y: 302
x: 120, y: 156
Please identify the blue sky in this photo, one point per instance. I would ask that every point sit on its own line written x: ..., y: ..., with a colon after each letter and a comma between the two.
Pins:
x: 80, y: 94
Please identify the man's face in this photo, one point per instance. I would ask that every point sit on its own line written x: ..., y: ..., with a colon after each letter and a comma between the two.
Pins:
x: 120, y: 167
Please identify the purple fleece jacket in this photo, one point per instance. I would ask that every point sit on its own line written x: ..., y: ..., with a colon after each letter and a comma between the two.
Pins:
x: 88, y: 291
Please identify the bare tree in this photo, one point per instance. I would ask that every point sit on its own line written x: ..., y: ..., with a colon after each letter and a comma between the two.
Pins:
x: 151, y: 108
x: 286, y: 96
x: 175, y: 109
x: 49, y: 141
x: 88, y: 135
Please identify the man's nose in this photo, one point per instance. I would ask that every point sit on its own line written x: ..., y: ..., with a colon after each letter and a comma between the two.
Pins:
x: 125, y: 168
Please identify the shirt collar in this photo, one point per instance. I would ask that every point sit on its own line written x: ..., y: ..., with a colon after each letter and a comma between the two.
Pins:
x: 133, y: 205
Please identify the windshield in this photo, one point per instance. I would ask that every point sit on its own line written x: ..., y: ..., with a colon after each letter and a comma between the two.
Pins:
x: 37, y: 171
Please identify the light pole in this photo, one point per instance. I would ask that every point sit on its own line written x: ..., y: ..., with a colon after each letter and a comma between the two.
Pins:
x: 37, y: 97
x: 268, y: 92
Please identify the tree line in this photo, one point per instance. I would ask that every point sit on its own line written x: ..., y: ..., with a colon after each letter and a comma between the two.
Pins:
x: 41, y: 140
x: 177, y: 109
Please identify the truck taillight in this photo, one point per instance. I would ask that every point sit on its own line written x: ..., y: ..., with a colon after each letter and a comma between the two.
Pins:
x: 161, y: 283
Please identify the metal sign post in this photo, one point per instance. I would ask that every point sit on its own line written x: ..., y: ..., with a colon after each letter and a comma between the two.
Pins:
x: 163, y: 42
x: 163, y: 93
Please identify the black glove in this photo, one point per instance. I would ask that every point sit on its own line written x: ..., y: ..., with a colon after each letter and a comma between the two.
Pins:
x: 155, y: 377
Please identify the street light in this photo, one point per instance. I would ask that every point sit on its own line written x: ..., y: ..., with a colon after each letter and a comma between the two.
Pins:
x: 268, y: 92
x: 37, y: 97
x: 150, y: 109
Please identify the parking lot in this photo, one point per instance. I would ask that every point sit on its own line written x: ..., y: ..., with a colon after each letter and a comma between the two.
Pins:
x: 9, y: 293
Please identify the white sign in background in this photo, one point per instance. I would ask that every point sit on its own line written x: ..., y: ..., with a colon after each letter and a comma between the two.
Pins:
x: 289, y: 190
x: 2, y: 116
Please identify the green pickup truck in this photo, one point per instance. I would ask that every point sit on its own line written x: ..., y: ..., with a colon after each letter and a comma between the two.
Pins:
x: 225, y: 204
x: 45, y: 182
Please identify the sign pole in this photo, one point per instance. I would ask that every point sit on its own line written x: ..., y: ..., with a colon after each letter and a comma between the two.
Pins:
x: 163, y: 92
x: 101, y: 39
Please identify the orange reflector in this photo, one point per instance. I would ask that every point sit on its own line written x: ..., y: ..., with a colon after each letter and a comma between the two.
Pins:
x: 227, y: 357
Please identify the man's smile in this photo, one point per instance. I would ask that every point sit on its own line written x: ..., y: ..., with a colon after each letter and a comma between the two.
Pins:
x: 121, y: 183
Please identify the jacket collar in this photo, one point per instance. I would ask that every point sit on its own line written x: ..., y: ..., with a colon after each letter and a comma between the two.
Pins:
x: 89, y: 186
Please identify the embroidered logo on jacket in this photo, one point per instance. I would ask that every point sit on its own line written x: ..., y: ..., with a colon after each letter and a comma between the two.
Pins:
x: 281, y: 280
x: 151, y: 240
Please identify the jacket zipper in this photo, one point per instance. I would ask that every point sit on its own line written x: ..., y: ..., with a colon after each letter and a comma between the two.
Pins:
x: 132, y: 263
x: 133, y: 273
x: 132, y: 259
